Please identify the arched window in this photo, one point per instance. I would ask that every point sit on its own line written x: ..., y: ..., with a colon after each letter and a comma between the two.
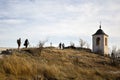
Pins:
x: 105, y: 41
x: 98, y: 41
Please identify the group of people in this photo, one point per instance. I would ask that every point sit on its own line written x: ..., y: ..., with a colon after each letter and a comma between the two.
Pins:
x: 26, y: 43
x: 61, y: 45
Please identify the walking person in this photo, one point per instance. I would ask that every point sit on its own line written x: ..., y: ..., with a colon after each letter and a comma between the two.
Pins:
x: 60, y: 44
x: 26, y: 43
x: 19, y: 43
x: 63, y: 46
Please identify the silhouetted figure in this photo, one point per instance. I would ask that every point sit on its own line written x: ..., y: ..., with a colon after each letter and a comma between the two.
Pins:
x: 63, y: 46
x: 26, y: 43
x: 60, y: 45
x: 19, y: 43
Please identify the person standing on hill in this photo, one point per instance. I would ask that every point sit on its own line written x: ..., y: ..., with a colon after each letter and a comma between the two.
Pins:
x: 60, y: 45
x: 63, y: 46
x: 26, y: 43
x: 19, y: 43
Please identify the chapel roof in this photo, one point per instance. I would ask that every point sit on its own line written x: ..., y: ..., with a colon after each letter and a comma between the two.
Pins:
x: 100, y: 32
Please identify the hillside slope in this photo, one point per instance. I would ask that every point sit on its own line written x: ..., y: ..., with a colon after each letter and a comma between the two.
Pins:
x: 55, y: 64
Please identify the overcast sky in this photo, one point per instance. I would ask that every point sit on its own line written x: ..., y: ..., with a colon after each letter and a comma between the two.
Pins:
x: 58, y: 21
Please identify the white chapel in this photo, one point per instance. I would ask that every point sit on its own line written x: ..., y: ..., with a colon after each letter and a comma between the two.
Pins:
x: 100, y: 42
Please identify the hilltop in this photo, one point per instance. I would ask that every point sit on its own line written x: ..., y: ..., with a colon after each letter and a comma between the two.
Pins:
x: 56, y: 64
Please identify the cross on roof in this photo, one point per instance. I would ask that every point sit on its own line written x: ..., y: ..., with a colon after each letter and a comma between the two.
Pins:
x: 100, y: 25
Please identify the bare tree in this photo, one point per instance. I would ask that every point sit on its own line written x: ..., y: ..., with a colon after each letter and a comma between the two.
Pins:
x: 82, y: 43
x: 41, y: 45
x: 72, y: 44
x: 118, y: 51
x: 115, y: 60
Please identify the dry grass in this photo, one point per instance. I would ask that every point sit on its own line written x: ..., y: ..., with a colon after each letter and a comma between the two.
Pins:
x: 55, y: 64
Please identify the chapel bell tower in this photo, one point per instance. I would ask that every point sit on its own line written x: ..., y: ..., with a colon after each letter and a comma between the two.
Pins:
x: 100, y: 42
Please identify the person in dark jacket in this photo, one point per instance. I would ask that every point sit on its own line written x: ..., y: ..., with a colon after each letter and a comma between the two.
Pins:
x: 63, y: 46
x: 19, y: 43
x: 26, y: 43
x: 60, y: 45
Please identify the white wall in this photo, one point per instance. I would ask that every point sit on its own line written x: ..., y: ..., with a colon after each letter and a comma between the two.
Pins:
x: 102, y: 47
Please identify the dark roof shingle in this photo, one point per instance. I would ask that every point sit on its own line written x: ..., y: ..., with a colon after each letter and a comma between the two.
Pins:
x: 100, y: 32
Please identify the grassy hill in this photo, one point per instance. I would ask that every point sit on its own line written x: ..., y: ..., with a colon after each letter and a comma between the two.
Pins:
x: 55, y: 64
